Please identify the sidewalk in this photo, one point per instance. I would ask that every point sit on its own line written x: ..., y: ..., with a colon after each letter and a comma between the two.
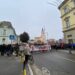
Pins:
x: 67, y: 51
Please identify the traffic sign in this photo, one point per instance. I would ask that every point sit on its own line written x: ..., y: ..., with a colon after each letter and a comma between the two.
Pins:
x: 12, y: 37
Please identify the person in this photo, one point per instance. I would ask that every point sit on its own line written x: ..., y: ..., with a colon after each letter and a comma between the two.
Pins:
x: 32, y: 48
x: 50, y: 48
x: 8, y: 50
x: 27, y: 54
x: 17, y: 49
x: 2, y: 49
x: 21, y: 50
x: 70, y: 48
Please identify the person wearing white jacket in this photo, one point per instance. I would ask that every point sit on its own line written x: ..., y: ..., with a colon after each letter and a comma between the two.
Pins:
x: 27, y: 54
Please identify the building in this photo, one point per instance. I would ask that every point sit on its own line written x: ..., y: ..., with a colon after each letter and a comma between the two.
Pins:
x: 42, y: 38
x: 67, y: 8
x: 7, y: 33
x: 52, y: 41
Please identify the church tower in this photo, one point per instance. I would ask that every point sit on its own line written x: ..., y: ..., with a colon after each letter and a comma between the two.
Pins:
x: 43, y: 35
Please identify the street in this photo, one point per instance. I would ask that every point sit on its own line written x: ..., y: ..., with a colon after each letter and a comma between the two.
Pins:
x: 10, y: 66
x: 57, y: 62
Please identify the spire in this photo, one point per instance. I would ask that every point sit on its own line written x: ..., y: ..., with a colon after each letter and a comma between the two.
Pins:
x: 43, y: 31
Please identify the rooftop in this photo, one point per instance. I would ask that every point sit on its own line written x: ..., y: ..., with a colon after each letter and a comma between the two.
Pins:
x: 62, y: 3
x: 6, y: 23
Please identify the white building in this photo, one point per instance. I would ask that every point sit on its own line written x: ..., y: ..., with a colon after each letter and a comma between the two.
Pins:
x: 7, y: 33
x: 41, y: 38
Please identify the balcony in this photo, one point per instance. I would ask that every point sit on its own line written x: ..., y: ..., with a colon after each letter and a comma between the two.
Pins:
x: 71, y: 27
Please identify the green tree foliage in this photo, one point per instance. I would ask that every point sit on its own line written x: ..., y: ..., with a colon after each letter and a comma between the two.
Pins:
x: 24, y: 37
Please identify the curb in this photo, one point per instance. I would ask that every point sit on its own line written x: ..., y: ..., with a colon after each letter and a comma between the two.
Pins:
x: 36, y: 70
x: 31, y: 72
x: 24, y: 72
x: 67, y: 51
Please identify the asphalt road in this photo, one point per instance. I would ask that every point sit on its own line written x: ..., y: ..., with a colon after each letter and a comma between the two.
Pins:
x: 10, y: 66
x: 58, y: 63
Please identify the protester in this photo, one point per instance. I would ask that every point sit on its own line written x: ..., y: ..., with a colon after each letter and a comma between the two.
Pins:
x: 27, y: 54
x: 9, y: 50
x: 17, y: 49
x: 50, y: 48
x: 21, y: 49
x: 2, y: 49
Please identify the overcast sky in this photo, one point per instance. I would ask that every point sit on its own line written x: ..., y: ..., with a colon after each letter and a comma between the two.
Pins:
x: 31, y: 16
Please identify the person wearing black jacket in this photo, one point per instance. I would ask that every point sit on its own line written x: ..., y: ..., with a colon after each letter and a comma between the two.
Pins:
x: 2, y: 49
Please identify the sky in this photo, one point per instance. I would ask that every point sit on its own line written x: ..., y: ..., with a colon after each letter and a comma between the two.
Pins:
x: 33, y: 15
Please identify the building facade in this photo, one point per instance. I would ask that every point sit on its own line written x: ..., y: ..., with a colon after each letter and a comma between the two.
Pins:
x: 67, y: 8
x: 7, y: 33
x: 42, y: 38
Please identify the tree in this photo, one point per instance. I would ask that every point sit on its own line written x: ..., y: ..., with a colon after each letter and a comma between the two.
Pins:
x: 24, y: 37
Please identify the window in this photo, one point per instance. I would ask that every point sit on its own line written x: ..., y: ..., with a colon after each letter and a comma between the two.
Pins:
x: 74, y: 13
x: 69, y: 35
x: 70, y: 41
x: 66, y: 9
x: 73, y: 2
x: 4, y: 32
x: 3, y: 40
x: 67, y: 21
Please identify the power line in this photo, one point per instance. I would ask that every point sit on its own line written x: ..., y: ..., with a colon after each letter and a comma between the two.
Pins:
x: 59, y: 1
x: 55, y: 3
x: 52, y: 4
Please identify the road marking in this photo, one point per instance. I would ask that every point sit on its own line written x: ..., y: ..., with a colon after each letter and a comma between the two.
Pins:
x: 45, y: 71
x: 31, y: 72
x: 65, y: 58
x: 24, y: 72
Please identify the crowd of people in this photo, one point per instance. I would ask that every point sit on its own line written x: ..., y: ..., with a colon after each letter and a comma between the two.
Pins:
x: 63, y: 46
x: 21, y: 48
x: 9, y: 49
x: 18, y: 49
